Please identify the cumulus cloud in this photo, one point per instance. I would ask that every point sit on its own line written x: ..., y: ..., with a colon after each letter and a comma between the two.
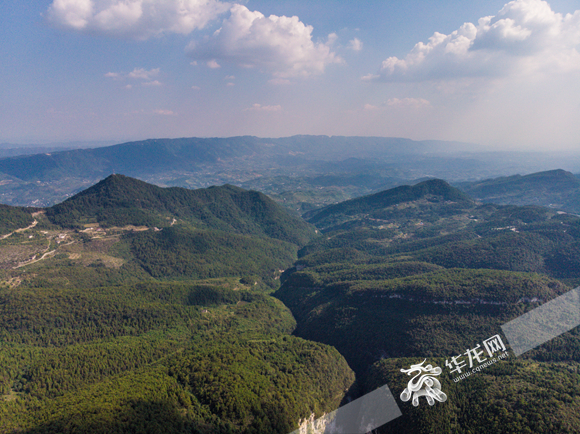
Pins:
x: 138, y: 19
x: 152, y: 83
x: 525, y: 36
x: 355, y: 44
x: 213, y: 64
x: 282, y: 46
x: 264, y: 108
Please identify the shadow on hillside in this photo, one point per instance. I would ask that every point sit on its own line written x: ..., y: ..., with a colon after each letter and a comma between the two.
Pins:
x: 136, y: 416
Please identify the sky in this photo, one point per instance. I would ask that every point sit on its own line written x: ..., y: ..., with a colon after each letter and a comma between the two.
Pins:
x: 501, y: 75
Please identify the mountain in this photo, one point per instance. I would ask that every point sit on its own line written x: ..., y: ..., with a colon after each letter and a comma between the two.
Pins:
x: 555, y: 188
x: 120, y: 200
x: 406, y: 276
x: 157, y: 155
x: 433, y: 192
x: 52, y: 176
x: 133, y: 308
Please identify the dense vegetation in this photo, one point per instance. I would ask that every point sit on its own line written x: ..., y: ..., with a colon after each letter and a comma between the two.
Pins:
x: 555, y: 188
x: 401, y: 274
x: 428, y: 313
x: 106, y: 328
x: 119, y: 200
x: 374, y: 206
x: 131, y: 358
x: 131, y: 308
x: 12, y: 218
x: 510, y: 397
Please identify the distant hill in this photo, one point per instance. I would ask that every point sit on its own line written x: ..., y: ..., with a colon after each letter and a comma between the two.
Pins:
x: 120, y: 200
x: 52, y: 176
x: 370, y: 164
x: 435, y: 192
x: 157, y: 155
x: 554, y: 188
x: 135, y: 158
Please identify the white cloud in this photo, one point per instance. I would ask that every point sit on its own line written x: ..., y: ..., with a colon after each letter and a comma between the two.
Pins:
x: 526, y: 36
x: 282, y: 45
x: 143, y: 73
x: 229, y: 77
x: 355, y: 44
x: 370, y: 107
x: 213, y: 64
x: 332, y: 37
x: 264, y: 108
x: 138, y: 19
x: 195, y: 87
x: 136, y: 74
x: 152, y: 83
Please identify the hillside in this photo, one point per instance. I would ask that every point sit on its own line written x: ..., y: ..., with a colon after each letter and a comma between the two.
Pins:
x: 434, y: 193
x: 168, y: 357
x: 12, y: 218
x: 399, y: 276
x: 133, y: 308
x: 119, y: 201
x: 514, y: 396
x: 555, y: 188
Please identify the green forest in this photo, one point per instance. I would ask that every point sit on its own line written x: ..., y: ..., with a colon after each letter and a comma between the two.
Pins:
x: 131, y: 308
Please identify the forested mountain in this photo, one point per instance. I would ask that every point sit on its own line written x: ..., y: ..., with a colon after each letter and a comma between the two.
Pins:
x: 119, y: 200
x: 555, y: 188
x: 433, y: 194
x: 132, y: 308
x: 424, y: 272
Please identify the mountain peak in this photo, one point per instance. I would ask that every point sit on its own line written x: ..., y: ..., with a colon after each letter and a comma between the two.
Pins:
x: 120, y: 200
x: 433, y: 189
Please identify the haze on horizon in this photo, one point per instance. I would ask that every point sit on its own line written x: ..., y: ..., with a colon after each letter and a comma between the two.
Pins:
x: 503, y: 75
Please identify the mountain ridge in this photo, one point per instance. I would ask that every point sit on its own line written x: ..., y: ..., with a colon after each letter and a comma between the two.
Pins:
x: 434, y: 189
x: 120, y: 200
x: 553, y: 188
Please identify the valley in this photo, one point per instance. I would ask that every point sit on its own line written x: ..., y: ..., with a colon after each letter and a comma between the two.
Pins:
x: 149, y: 307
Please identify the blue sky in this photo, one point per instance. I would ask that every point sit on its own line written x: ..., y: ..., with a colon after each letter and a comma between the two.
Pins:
x: 504, y: 75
